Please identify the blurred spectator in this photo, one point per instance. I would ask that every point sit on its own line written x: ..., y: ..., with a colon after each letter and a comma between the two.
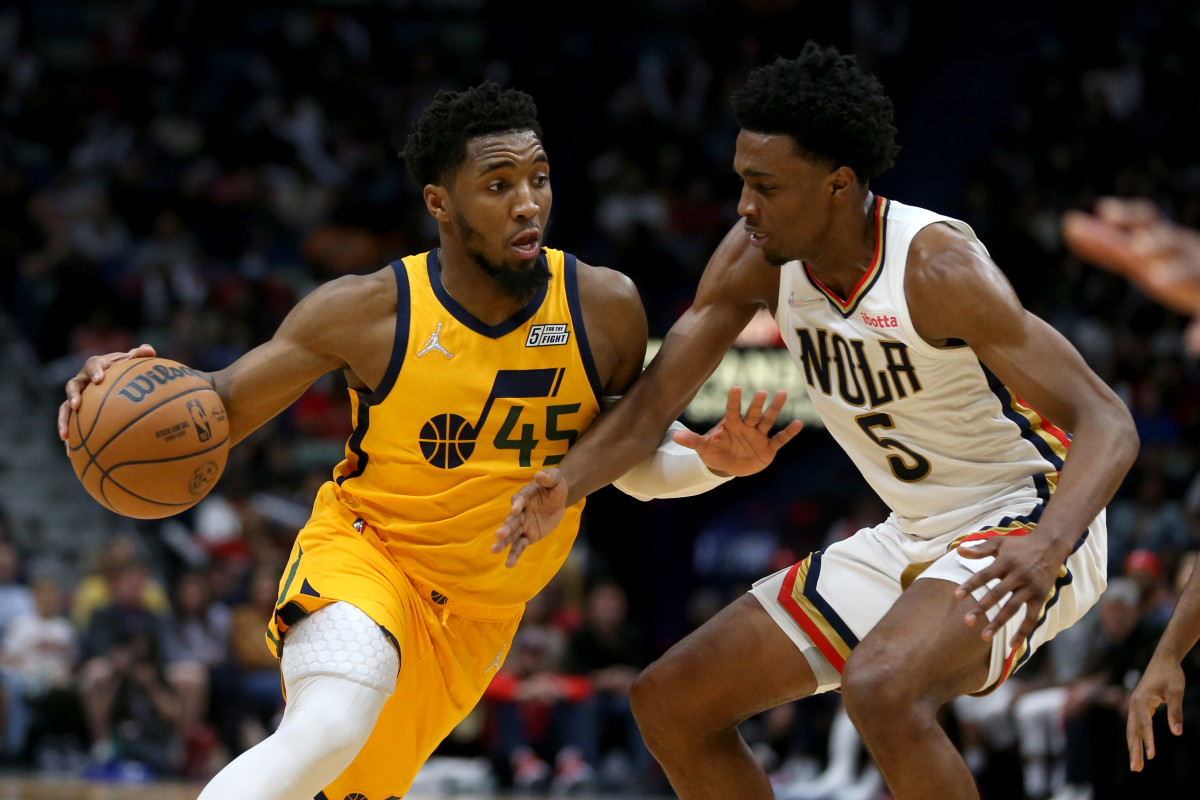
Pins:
x: 249, y: 687
x: 16, y: 599
x: 538, y: 710
x: 609, y: 650
x: 95, y: 589
x: 1147, y: 570
x: 197, y: 636
x: 1094, y: 707
x: 37, y: 667
x: 849, y: 774
x: 1149, y: 520
x: 131, y: 709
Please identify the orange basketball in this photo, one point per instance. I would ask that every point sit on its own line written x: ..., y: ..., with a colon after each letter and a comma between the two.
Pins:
x: 150, y: 440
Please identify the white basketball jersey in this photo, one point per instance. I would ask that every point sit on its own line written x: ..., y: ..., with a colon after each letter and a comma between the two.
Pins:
x: 935, y: 434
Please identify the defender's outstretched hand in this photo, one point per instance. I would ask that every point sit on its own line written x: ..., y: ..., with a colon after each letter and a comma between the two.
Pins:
x: 536, y: 510
x: 1163, y: 682
x: 1131, y: 238
x: 93, y: 372
x: 742, y: 444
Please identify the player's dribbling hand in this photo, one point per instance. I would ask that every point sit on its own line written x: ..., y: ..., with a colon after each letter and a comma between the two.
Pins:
x: 93, y: 372
x: 536, y: 510
x: 1162, y: 682
x: 1026, y: 566
x: 742, y: 444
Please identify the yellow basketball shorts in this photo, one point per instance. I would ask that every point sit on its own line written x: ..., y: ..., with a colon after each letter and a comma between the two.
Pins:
x: 449, y: 652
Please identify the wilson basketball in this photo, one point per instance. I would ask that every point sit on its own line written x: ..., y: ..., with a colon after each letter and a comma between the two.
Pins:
x: 150, y: 440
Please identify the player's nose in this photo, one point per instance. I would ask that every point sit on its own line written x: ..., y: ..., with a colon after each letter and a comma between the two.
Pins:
x: 525, y: 203
x: 745, y: 207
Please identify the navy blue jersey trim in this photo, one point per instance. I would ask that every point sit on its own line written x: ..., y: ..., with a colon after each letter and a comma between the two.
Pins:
x: 470, y: 320
x: 361, y: 423
x: 1006, y: 400
x: 826, y: 610
x: 399, y: 341
x: 570, y: 273
x: 395, y: 362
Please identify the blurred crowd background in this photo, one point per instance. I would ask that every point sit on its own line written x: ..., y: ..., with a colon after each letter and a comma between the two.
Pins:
x: 181, y: 173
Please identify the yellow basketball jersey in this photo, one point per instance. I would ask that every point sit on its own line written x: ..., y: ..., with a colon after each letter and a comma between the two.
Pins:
x: 464, y: 417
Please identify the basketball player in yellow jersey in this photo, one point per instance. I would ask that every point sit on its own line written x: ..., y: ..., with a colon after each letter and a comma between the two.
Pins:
x: 472, y: 367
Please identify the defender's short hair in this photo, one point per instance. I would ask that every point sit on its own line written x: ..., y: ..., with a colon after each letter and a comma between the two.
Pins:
x: 833, y: 110
x: 437, y: 145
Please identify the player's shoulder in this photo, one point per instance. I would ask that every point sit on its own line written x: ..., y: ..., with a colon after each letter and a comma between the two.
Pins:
x: 949, y: 274
x: 367, y: 294
x: 606, y: 289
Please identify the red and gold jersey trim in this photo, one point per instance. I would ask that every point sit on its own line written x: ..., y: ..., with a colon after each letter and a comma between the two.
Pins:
x: 846, y: 307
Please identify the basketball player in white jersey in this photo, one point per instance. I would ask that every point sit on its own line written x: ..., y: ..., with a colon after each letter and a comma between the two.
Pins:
x: 955, y: 403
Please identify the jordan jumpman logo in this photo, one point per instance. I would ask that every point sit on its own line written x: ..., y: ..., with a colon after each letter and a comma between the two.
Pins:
x: 432, y: 343
x: 495, y: 665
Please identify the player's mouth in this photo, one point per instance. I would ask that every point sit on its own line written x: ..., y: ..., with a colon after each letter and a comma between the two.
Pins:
x: 527, y: 244
x: 757, y: 238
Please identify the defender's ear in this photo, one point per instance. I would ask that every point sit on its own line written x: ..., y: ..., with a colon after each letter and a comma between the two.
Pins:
x: 842, y: 180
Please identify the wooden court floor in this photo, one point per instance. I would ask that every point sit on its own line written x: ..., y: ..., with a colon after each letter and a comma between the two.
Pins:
x: 35, y: 788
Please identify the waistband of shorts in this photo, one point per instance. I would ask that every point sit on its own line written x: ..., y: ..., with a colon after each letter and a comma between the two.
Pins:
x: 447, y: 604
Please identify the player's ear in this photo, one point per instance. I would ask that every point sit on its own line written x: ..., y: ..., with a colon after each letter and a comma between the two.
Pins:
x: 841, y: 181
x: 437, y: 202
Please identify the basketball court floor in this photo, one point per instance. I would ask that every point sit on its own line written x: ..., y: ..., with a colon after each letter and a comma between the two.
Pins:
x: 35, y: 788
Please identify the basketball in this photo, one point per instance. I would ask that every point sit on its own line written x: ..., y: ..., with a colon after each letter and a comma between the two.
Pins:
x: 150, y: 440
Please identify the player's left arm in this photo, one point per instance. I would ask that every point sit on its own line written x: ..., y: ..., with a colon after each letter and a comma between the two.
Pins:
x: 955, y: 291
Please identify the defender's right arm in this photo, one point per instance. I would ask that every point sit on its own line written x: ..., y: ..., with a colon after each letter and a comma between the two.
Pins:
x: 737, y: 282
x: 326, y: 330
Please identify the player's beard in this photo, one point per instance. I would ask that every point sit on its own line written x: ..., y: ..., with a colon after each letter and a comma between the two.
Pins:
x: 519, y: 282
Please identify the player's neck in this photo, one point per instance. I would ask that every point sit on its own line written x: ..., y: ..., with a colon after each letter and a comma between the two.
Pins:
x: 849, y: 250
x: 474, y: 289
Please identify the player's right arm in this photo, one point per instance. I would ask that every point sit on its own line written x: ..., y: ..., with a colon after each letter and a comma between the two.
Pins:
x: 331, y: 328
x: 1163, y: 681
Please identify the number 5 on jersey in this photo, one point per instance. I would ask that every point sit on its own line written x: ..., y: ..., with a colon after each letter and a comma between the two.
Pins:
x: 908, y: 471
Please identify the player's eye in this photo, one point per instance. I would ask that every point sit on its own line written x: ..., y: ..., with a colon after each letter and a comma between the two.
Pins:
x: 496, y: 186
x: 541, y: 180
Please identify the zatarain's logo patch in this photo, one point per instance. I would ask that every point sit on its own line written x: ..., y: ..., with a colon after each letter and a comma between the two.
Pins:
x: 548, y: 335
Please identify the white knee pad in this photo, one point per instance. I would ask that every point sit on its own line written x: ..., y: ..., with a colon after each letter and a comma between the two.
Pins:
x: 342, y: 641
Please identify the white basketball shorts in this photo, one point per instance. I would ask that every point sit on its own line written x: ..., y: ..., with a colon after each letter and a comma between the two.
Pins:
x: 833, y: 598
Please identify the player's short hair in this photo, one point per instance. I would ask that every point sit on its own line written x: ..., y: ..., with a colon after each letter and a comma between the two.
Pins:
x: 437, y: 145
x: 832, y: 109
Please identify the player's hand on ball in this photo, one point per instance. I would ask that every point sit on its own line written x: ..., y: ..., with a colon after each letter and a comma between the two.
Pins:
x: 536, y: 510
x: 742, y: 444
x: 93, y: 372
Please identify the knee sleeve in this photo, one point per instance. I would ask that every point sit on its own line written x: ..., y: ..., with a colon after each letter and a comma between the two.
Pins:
x: 326, y: 722
x: 340, y: 640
